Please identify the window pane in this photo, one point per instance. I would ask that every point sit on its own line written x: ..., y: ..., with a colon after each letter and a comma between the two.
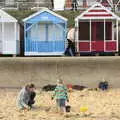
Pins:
x: 100, y: 31
x: 8, y: 31
x: 108, y: 30
x: 37, y: 32
x: 84, y: 31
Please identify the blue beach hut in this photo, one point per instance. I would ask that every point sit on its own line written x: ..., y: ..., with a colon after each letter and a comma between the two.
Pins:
x: 45, y: 33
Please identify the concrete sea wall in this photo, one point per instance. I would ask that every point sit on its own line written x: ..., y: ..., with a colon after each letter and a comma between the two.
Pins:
x: 87, y: 71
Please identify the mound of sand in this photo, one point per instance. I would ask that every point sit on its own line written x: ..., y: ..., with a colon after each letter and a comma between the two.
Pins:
x: 101, y: 106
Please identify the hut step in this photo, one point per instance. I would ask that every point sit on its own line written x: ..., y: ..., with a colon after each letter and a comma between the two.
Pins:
x: 116, y: 54
x: 97, y: 54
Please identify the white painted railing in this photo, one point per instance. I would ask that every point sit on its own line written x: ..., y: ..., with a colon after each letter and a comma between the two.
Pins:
x: 25, y: 5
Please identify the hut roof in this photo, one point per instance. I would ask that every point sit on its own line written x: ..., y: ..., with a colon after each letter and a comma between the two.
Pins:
x: 5, y: 17
x: 45, y: 18
x: 97, y: 11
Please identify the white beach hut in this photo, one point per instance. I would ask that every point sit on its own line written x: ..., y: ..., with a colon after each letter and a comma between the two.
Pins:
x: 9, y: 34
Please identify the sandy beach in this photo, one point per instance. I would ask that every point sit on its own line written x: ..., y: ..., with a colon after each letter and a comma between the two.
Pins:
x: 101, y: 106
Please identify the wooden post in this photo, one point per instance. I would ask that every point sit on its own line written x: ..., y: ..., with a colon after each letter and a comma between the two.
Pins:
x: 24, y: 38
x: 112, y: 30
x: 3, y: 28
x: 90, y: 36
x: 104, y: 36
x: 15, y: 39
x: 77, y: 36
x: 117, y: 36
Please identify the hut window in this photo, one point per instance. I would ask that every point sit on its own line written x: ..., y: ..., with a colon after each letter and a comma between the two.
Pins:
x: 99, y: 31
x: 50, y: 32
x: 38, y: 32
x: 0, y: 32
x: 108, y: 31
x: 58, y: 32
x: 84, y: 31
x: 9, y: 30
x: 46, y: 30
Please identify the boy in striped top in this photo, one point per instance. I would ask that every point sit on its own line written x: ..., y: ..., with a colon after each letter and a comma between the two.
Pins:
x: 60, y: 94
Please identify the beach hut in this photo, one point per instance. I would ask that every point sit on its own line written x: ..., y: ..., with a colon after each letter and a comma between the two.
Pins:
x: 9, y: 34
x: 95, y: 30
x: 45, y: 33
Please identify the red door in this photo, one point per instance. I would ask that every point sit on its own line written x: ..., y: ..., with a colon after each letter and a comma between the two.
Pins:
x: 97, y: 44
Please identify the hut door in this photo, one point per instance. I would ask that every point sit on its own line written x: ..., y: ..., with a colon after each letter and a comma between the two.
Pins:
x: 84, y: 36
x: 97, y: 37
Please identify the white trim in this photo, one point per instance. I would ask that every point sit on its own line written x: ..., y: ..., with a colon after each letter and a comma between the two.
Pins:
x: 84, y: 40
x: 94, y: 13
x: 104, y: 35
x: 94, y: 51
x: 86, y: 51
x: 7, y: 20
x: 110, y: 51
x: 30, y: 27
x: 44, y: 10
x: 76, y: 35
x: 78, y: 46
x: 110, y: 41
x: 98, y: 18
x: 90, y: 36
x: 2, y: 35
x: 99, y: 8
x: 112, y: 31
x: 15, y: 36
x: 117, y: 35
x: 43, y: 53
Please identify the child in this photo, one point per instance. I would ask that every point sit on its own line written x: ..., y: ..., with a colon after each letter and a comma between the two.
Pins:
x: 60, y: 94
x: 24, y: 100
x: 32, y: 95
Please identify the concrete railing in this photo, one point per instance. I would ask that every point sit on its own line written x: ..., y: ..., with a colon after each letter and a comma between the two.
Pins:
x: 25, y: 5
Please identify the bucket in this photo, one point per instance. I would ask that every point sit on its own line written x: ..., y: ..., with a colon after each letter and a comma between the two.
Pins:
x: 68, y: 107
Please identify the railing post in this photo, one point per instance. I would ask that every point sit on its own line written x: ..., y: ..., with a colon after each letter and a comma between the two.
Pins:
x: 104, y: 36
x: 90, y: 35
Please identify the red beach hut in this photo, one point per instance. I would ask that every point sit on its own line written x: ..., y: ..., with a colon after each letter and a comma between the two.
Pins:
x: 95, y: 30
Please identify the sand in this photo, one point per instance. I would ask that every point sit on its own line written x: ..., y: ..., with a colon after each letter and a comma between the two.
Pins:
x: 101, y: 106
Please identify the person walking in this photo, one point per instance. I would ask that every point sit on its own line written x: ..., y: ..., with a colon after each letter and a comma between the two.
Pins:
x: 70, y: 50
x: 74, y: 5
